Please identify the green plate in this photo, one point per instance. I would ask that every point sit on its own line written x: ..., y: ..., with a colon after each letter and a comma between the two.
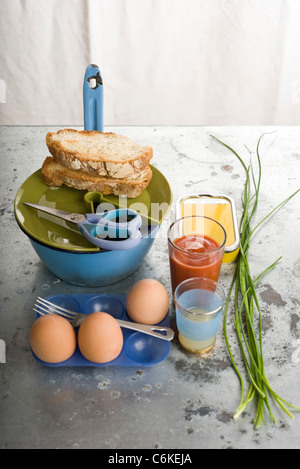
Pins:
x: 153, y: 204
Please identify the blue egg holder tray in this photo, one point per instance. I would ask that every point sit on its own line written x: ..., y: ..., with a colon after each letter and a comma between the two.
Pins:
x: 139, y: 349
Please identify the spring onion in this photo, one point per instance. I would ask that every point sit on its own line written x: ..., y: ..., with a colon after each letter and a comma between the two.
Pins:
x: 247, y: 318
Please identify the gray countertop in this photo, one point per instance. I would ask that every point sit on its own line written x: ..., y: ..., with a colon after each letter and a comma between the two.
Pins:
x: 186, y: 401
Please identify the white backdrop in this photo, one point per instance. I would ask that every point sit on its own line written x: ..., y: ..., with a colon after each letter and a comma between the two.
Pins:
x: 163, y: 62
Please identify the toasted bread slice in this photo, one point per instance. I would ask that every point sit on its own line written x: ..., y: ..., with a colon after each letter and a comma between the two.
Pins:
x: 54, y: 174
x: 105, y: 154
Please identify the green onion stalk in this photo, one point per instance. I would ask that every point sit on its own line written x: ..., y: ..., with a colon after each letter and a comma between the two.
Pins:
x: 247, y: 312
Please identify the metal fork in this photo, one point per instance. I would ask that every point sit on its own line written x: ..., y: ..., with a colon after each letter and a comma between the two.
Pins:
x: 46, y: 307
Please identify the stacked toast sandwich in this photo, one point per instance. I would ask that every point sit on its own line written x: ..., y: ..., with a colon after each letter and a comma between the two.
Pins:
x: 97, y: 161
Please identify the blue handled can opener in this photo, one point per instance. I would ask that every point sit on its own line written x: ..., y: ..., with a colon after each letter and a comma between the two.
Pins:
x: 93, y: 99
x: 112, y: 230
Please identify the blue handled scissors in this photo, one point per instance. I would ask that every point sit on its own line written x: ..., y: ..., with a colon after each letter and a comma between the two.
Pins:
x: 112, y: 230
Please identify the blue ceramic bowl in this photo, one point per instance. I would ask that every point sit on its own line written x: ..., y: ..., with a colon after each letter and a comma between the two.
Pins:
x: 94, y: 268
x: 62, y: 248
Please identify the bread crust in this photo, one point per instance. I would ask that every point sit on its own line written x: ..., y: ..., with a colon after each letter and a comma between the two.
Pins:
x: 102, y: 153
x: 54, y: 175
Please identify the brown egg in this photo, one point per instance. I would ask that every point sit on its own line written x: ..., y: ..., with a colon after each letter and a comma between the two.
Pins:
x: 147, y: 302
x: 52, y: 338
x: 100, y: 338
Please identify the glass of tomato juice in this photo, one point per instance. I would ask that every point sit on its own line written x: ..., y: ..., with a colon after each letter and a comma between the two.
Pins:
x: 196, y: 247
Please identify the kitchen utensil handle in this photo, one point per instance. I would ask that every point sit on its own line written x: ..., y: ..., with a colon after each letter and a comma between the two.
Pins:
x: 122, y: 218
x: 117, y: 218
x: 162, y: 332
x: 93, y: 99
x: 89, y: 230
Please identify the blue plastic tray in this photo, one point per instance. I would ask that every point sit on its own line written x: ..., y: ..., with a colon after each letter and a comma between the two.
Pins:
x: 138, y: 349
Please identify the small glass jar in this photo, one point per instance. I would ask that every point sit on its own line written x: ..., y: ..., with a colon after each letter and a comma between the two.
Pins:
x: 199, y: 304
